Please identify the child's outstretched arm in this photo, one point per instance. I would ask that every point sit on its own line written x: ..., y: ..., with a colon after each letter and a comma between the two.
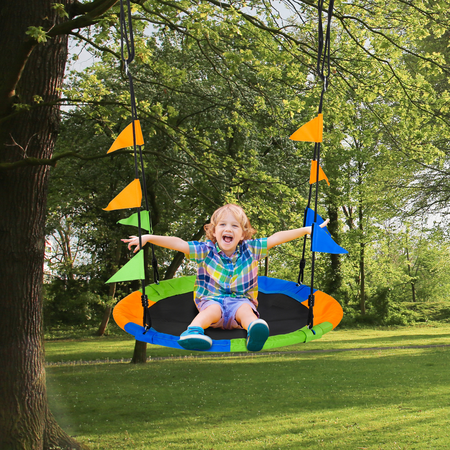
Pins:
x: 172, y: 242
x: 289, y: 235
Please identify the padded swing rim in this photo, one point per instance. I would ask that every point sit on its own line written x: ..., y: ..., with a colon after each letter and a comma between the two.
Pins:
x: 128, y: 313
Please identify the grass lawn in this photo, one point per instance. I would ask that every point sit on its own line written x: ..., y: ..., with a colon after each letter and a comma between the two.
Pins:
x: 120, y: 345
x: 374, y: 397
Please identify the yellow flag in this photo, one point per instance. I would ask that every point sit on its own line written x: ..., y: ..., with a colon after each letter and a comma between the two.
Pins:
x: 311, y: 131
x: 313, y: 174
x: 125, y: 139
x: 130, y: 197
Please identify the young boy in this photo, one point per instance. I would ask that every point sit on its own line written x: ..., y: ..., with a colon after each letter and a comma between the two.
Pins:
x: 226, y: 288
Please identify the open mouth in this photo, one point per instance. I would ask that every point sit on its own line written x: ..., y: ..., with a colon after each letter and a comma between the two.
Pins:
x: 227, y: 239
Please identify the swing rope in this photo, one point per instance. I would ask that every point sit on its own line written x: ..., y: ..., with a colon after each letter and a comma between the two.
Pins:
x: 323, y: 72
x: 127, y: 43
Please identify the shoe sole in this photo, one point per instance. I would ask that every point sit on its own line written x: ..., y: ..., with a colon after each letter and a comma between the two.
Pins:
x: 257, y: 337
x: 195, y: 343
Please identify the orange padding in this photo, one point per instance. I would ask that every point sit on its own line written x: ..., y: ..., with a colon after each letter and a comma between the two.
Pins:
x: 130, y: 309
x: 326, y: 309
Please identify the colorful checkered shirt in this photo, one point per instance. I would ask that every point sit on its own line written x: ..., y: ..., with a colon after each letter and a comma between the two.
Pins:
x: 220, y: 276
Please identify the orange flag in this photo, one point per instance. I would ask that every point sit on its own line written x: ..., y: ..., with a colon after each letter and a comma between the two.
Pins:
x: 313, y: 174
x: 311, y: 131
x: 130, y: 197
x: 125, y: 139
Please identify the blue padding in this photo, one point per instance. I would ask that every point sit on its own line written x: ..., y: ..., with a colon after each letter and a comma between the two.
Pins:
x: 268, y: 285
x: 167, y: 340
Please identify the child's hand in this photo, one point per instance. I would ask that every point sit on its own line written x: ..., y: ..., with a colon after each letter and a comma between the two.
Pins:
x: 324, y: 224
x: 132, y: 241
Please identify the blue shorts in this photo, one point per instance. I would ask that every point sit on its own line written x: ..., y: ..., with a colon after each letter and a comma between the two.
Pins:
x: 229, y: 306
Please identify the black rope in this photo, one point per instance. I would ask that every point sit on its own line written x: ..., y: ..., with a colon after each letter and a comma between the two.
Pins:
x: 323, y: 72
x: 127, y: 54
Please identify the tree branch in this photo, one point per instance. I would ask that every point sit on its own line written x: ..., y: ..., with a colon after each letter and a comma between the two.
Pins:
x: 95, y: 10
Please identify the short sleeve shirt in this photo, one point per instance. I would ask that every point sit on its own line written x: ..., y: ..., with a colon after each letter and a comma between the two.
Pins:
x: 220, y: 276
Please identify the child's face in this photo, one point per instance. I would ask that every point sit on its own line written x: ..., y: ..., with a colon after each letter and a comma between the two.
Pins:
x: 228, y: 233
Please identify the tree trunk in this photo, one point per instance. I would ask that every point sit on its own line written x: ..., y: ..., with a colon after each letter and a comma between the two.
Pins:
x: 105, y: 321
x: 413, y: 286
x: 112, y: 292
x: 362, y: 279
x: 28, y: 71
x: 334, y: 272
x: 362, y: 264
x: 140, y: 353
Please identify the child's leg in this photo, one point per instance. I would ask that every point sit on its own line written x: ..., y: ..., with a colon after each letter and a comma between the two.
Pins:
x: 194, y: 337
x: 206, y: 317
x: 257, y: 329
x: 245, y: 315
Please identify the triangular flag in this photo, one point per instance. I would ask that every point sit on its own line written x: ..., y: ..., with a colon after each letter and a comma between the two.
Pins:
x: 130, y: 197
x: 309, y: 219
x: 125, y: 139
x: 132, y: 270
x: 322, y: 242
x: 134, y: 222
x: 311, y: 131
x: 313, y: 173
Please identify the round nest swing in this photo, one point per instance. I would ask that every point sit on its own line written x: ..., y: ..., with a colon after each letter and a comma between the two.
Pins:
x: 282, y: 304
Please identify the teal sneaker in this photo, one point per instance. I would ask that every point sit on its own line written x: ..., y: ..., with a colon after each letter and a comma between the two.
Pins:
x: 257, y: 334
x: 194, y: 339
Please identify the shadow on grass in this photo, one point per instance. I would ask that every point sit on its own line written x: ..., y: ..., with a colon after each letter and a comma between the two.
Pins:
x: 185, y: 403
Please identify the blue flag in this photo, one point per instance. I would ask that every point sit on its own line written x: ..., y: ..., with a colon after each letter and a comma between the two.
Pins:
x: 321, y: 241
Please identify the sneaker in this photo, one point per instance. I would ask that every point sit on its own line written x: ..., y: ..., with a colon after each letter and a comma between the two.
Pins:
x: 194, y: 339
x: 257, y: 334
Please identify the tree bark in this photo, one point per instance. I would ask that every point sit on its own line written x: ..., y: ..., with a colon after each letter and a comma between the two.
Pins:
x: 140, y: 353
x: 334, y: 272
x: 112, y: 292
x: 30, y: 82
x: 362, y: 263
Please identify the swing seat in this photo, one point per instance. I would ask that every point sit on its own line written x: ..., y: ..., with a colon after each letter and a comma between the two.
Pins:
x: 282, y: 304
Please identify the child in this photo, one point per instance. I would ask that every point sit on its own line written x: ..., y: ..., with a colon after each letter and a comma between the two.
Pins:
x: 226, y: 288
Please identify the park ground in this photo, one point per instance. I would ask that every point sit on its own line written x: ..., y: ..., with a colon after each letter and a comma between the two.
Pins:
x: 359, y: 388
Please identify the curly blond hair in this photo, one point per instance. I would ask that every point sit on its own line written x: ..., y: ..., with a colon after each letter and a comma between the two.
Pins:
x: 240, y: 216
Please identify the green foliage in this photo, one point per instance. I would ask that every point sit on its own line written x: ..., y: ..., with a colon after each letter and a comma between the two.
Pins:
x: 71, y: 303
x: 38, y: 34
x: 60, y: 9
x: 220, y: 90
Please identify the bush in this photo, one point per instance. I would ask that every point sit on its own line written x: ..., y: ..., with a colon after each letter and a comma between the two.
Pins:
x: 71, y: 303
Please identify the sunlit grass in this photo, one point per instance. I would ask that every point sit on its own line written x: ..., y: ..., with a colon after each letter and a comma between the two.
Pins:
x: 121, y: 345
x: 391, y: 398
x: 347, y: 400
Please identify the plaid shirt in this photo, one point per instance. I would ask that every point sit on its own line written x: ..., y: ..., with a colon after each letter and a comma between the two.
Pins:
x: 221, y: 276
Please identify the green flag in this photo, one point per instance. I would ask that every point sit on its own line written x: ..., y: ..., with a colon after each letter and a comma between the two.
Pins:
x: 133, y: 221
x: 132, y: 270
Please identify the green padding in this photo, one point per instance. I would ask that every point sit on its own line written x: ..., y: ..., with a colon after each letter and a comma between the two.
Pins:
x: 324, y: 327
x: 168, y: 288
x: 283, y: 340
x: 238, y: 345
x: 310, y: 336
